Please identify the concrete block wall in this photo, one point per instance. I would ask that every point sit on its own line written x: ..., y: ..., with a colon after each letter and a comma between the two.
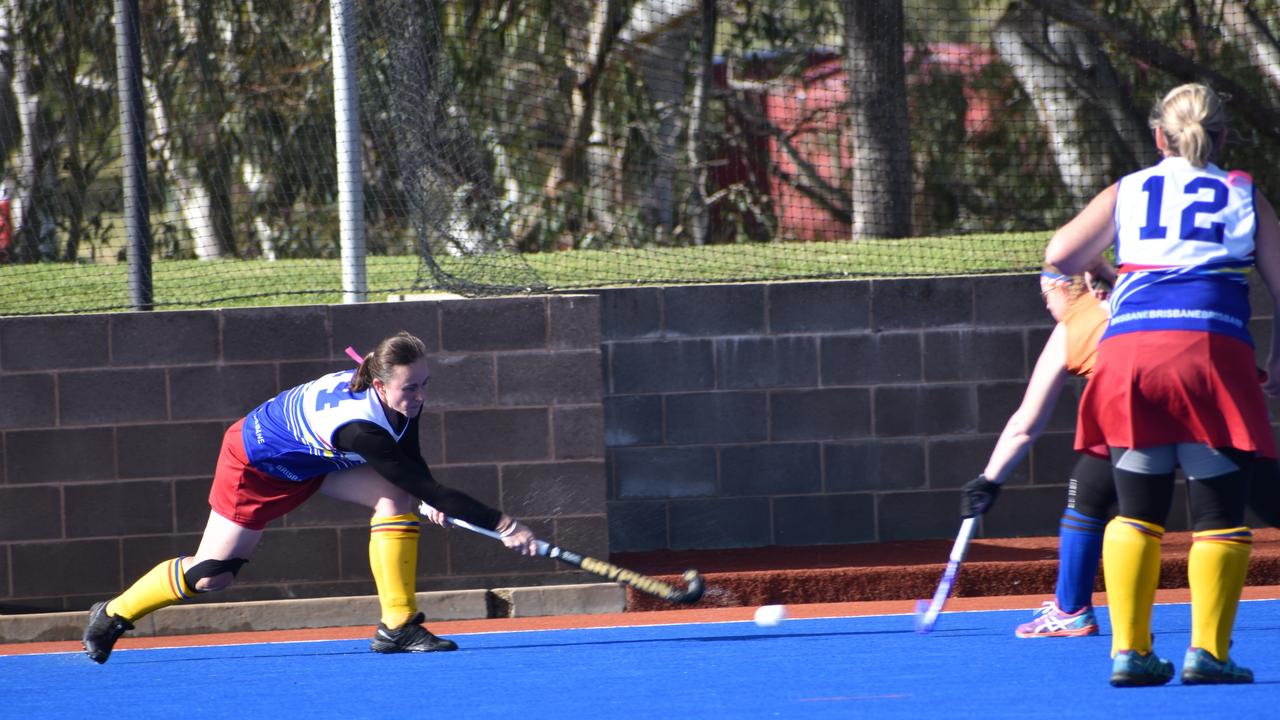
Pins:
x: 110, y: 426
x: 808, y: 413
x: 628, y: 419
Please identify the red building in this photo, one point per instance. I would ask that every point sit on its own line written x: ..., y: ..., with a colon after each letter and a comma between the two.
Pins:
x: 808, y: 127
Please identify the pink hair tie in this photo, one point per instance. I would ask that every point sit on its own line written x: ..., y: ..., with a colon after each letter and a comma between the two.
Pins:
x: 1239, y: 178
x: 351, y: 353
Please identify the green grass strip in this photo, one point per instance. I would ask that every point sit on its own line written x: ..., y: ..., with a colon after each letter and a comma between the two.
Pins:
x: 183, y: 284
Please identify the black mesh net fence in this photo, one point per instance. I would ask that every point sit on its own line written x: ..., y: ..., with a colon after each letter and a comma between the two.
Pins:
x: 524, y: 145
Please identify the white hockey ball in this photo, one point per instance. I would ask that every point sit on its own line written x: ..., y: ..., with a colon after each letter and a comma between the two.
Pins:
x: 770, y: 615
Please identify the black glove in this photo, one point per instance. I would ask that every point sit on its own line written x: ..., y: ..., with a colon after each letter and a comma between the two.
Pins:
x: 977, y: 496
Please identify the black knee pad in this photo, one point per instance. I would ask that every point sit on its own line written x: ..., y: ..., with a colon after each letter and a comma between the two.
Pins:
x: 211, y: 568
x: 1093, y: 489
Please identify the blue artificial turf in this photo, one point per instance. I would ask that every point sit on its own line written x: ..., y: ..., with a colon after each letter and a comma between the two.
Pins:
x: 865, y: 667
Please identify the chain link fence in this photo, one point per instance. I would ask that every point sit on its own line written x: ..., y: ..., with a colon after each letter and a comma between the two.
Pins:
x: 519, y: 145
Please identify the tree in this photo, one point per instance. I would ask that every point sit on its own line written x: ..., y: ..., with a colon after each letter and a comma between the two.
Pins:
x: 659, y: 33
x: 443, y: 171
x: 1125, y: 35
x: 187, y: 150
x: 1244, y: 25
x: 1089, y: 123
x: 873, y: 48
x: 63, y: 55
x: 588, y: 53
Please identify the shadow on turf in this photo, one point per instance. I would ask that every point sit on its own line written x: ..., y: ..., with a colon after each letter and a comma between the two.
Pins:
x: 527, y: 646
x: 739, y: 638
x: 952, y: 633
x: 220, y: 658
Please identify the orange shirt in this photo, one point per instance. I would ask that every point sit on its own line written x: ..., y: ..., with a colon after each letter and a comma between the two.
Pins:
x: 1085, y: 321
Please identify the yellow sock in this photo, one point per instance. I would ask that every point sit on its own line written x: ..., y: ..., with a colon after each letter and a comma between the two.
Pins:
x: 1131, y: 567
x: 1216, y: 569
x: 161, y: 587
x: 393, y: 557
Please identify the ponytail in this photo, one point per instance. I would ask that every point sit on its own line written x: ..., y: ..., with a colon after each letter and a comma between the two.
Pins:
x: 363, y: 379
x: 1192, y: 119
x: 399, y: 349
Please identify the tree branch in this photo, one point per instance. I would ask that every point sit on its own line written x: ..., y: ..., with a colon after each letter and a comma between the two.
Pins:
x: 1129, y: 39
x: 813, y: 185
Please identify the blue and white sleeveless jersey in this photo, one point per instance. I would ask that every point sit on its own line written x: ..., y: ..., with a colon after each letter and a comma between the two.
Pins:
x: 1184, y: 246
x: 290, y: 436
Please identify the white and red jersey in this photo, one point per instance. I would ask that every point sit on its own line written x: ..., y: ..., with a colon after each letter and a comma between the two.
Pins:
x: 1184, y: 243
x: 290, y: 436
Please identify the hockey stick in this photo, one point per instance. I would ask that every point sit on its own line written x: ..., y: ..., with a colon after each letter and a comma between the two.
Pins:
x: 689, y: 594
x: 927, y: 612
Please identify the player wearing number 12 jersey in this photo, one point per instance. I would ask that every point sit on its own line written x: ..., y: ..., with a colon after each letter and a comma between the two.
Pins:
x: 1185, y: 241
x: 352, y: 435
x: 1176, y: 382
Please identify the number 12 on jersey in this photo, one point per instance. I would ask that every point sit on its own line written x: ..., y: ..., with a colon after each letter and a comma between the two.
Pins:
x: 1187, y: 227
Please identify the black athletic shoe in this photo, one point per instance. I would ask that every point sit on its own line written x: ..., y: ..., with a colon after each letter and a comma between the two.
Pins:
x: 410, y: 637
x: 102, y: 633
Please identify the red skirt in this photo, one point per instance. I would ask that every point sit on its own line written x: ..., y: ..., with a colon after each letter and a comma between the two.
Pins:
x: 247, y: 496
x: 1162, y: 387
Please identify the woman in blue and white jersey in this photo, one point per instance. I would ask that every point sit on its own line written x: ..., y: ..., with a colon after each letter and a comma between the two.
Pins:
x: 1176, y: 383
x: 351, y: 435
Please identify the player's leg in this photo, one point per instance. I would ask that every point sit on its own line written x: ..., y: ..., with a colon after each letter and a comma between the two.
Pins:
x: 1131, y: 561
x: 1219, y: 560
x: 235, y: 493
x: 223, y: 549
x: 393, y: 537
x: 393, y: 557
x: 1264, y: 490
x: 1080, y: 535
x: 1090, y: 495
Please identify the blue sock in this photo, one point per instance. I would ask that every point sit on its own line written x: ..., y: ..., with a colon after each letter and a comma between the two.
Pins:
x: 1079, y: 550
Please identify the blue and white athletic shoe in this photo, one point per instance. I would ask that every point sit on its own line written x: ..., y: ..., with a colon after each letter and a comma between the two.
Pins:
x: 1133, y: 669
x: 1200, y: 667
